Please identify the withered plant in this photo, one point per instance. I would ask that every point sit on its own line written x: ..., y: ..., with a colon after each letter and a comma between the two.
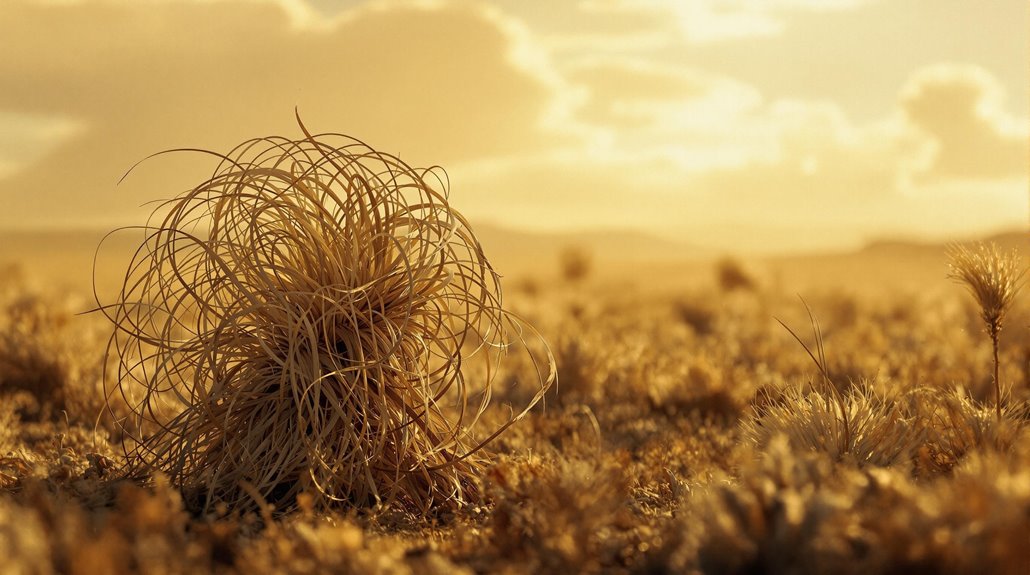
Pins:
x: 993, y: 279
x: 315, y: 317
x: 856, y: 424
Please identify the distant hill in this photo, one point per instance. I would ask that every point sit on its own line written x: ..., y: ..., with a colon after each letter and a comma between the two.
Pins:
x: 65, y: 259
x: 511, y: 248
x: 1017, y: 240
x: 887, y: 264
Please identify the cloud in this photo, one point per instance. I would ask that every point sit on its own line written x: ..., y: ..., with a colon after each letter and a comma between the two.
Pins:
x: 806, y: 168
x: 26, y: 138
x: 780, y: 175
x: 709, y: 21
x: 960, y: 108
x: 625, y: 79
x: 819, y: 160
x: 433, y: 82
x: 533, y: 136
x: 640, y: 94
x: 302, y: 13
x: 639, y: 109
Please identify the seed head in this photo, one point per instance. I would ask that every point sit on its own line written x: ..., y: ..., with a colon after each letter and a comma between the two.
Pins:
x: 992, y: 277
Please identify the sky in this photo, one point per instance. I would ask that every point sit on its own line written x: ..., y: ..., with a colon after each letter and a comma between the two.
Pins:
x: 760, y: 126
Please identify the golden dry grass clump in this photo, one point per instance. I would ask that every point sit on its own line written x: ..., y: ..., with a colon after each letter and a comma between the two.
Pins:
x: 875, y: 431
x: 307, y: 320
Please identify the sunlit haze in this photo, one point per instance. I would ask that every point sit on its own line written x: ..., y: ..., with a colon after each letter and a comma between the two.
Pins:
x: 758, y: 127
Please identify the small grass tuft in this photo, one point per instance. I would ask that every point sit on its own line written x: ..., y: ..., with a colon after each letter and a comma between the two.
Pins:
x: 874, y: 431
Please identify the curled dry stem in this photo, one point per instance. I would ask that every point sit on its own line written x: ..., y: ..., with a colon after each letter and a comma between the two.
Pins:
x: 306, y: 320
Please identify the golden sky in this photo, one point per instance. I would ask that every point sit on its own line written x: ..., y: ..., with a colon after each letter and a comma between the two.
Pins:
x: 761, y: 125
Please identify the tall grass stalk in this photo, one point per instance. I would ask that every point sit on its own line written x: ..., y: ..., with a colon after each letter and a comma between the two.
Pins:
x: 993, y: 279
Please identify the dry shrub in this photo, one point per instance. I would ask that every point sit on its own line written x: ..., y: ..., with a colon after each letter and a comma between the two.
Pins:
x: 731, y: 276
x: 305, y: 320
x: 49, y: 359
x: 578, y: 370
x: 559, y: 517
x: 842, y: 311
x: 770, y: 522
x: 575, y: 263
x: 145, y: 531
x: 974, y: 521
x: 960, y: 425
x: 337, y: 545
x: 23, y: 541
x: 701, y: 387
x: 875, y: 430
x: 852, y: 424
x: 698, y: 313
x: 798, y: 513
x: 149, y: 531
x: 29, y: 360
x: 983, y: 512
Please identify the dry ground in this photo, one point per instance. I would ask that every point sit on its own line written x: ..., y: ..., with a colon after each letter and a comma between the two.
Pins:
x: 689, y: 433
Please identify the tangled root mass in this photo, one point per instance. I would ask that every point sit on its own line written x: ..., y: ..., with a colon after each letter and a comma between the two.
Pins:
x: 308, y: 320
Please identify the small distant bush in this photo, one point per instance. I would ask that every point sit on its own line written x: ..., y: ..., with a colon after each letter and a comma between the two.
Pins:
x: 697, y: 314
x: 732, y: 276
x: 576, y: 264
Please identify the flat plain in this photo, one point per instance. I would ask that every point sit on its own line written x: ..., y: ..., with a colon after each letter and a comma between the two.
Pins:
x: 689, y: 430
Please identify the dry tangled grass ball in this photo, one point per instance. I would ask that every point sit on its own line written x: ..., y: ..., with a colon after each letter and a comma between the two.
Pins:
x: 315, y: 317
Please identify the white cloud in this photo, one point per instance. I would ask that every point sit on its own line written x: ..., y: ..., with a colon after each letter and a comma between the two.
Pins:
x: 707, y: 21
x: 961, y: 110
x: 26, y: 138
x: 530, y: 140
x: 782, y: 174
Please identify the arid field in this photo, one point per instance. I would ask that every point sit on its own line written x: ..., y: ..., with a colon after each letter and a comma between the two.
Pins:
x: 689, y: 431
x: 440, y: 287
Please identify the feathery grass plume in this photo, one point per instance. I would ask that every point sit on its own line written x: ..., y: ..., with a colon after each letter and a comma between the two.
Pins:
x: 307, y: 320
x: 993, y: 279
